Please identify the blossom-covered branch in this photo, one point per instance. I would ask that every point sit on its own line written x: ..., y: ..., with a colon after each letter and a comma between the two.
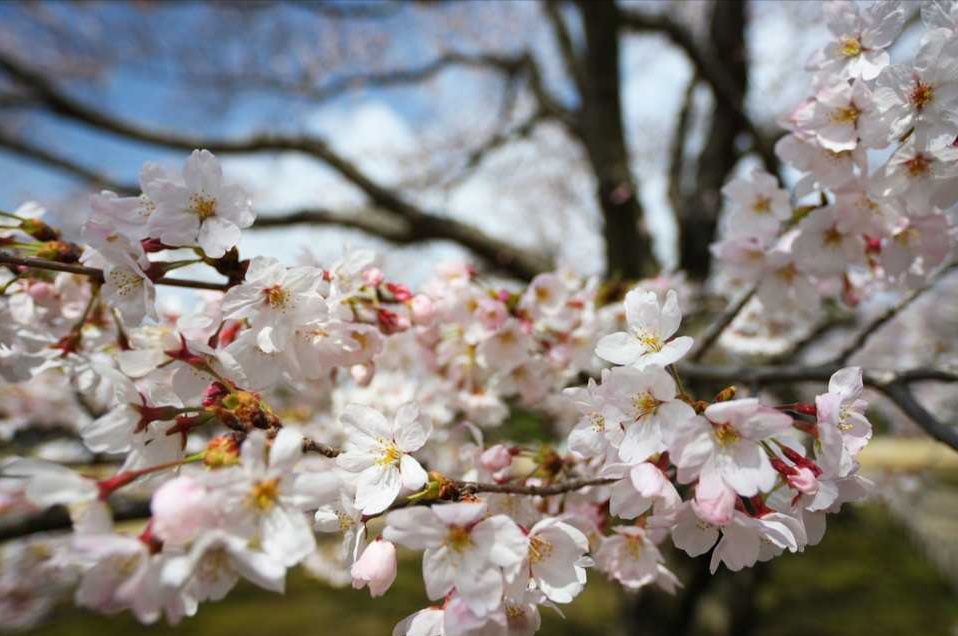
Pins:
x: 323, y: 402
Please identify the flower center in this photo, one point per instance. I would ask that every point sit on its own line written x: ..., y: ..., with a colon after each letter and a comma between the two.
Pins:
x: 921, y: 94
x: 276, y: 296
x: 264, y: 494
x: 787, y: 273
x: 850, y: 47
x: 832, y: 237
x: 539, y: 549
x: 597, y: 420
x: 644, y: 404
x: 125, y: 281
x: 390, y: 453
x: 215, y: 563
x: 918, y: 166
x: 845, y: 114
x: 345, y: 521
x: 907, y: 236
x: 459, y: 538
x: 650, y: 342
x: 203, y: 206
x: 725, y: 434
x: 634, y: 546
x: 762, y: 205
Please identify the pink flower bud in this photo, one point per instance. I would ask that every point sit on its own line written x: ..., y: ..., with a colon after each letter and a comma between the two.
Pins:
x: 373, y: 277
x: 714, y: 502
x: 41, y: 291
x: 422, y: 309
x: 495, y: 458
x: 390, y: 322
x: 804, y: 481
x: 375, y: 568
x: 181, y: 509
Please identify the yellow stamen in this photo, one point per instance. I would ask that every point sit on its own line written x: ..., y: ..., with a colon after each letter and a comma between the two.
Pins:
x: 726, y: 434
x: 264, y: 494
x: 459, y: 539
x: 850, y: 47
x: 845, y: 114
x: 203, y: 206
x: 762, y: 205
x: 539, y: 549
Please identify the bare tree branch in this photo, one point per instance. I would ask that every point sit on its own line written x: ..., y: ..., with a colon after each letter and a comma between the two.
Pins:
x: 677, y: 158
x: 859, y: 341
x: 499, y: 254
x: 723, y: 86
x: 97, y: 274
x: 893, y: 384
x: 628, y: 244
x: 44, y: 156
x: 570, y: 60
x: 707, y: 338
x: 57, y: 518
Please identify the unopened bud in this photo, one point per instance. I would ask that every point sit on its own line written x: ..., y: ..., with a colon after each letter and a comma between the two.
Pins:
x: 39, y: 230
x: 726, y: 394
x: 221, y: 452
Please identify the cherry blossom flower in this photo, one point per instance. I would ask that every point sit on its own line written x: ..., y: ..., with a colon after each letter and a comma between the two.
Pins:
x: 922, y: 97
x: 275, y: 299
x: 844, y: 115
x: 759, y: 205
x: 650, y: 327
x: 861, y: 37
x: 201, y: 209
x: 214, y: 564
x: 632, y: 559
x: 843, y: 428
x: 651, y: 410
x: 555, y: 560
x: 378, y: 450
x: 463, y: 550
x: 271, y: 495
x: 725, y: 444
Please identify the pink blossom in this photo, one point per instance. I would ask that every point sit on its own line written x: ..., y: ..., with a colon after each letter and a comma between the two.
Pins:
x: 181, y: 509
x: 375, y: 568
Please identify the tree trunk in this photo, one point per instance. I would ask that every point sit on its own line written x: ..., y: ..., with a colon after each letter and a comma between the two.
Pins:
x: 628, y: 246
x: 698, y: 214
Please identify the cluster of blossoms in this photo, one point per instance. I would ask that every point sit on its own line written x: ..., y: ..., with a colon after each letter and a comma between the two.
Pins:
x: 875, y: 147
x: 320, y: 416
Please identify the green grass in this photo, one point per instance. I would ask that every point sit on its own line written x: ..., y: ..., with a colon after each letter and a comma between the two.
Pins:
x: 867, y: 578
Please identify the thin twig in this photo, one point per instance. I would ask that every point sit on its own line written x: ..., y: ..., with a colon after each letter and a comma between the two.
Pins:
x: 540, y: 491
x: 859, y: 341
x: 707, y: 339
x: 97, y: 274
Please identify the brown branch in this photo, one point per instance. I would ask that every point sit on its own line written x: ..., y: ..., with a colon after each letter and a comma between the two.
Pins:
x: 97, y: 274
x: 723, y: 86
x: 677, y: 158
x: 712, y: 333
x: 499, y: 254
x: 627, y: 241
x: 899, y: 393
x: 570, y: 61
x: 57, y: 518
x: 44, y: 156
x: 312, y: 446
x: 860, y: 340
x: 893, y: 384
x: 539, y: 491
